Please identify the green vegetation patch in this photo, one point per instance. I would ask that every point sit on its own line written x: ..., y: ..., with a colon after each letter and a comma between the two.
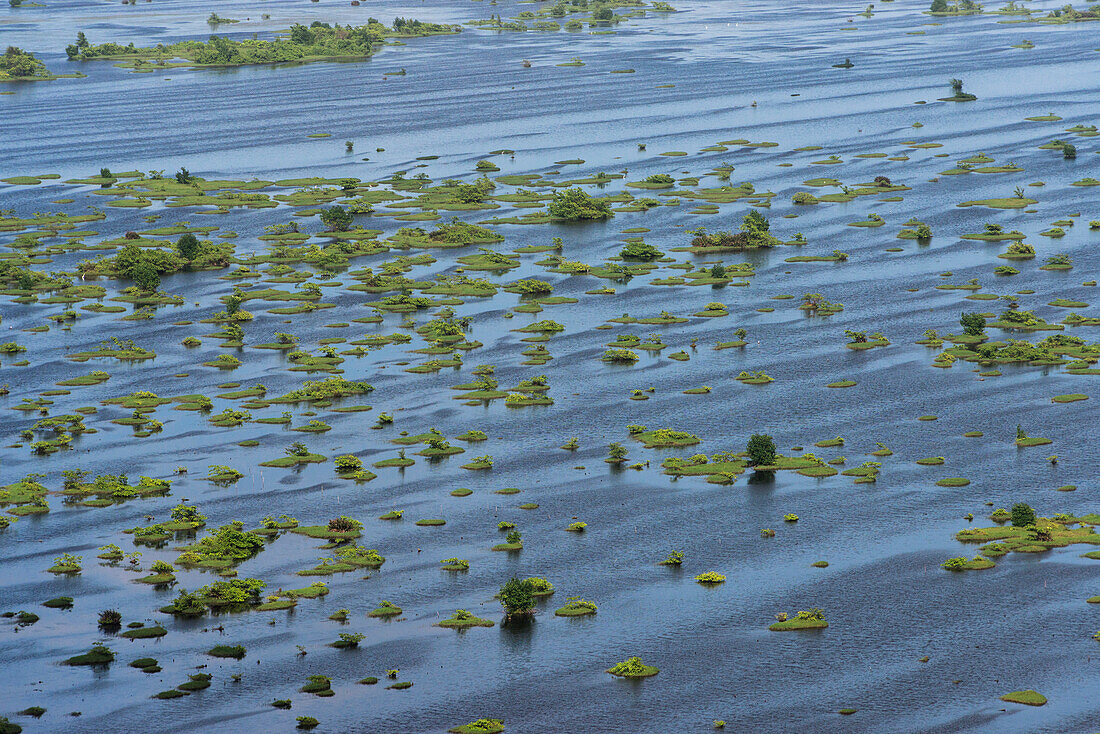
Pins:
x: 1028, y: 697
x: 633, y: 668
x: 461, y: 619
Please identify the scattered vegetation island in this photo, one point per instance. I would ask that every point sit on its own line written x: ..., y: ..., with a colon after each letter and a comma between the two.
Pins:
x: 413, y: 351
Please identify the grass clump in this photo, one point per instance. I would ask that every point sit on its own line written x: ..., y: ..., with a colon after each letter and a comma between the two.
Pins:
x: 633, y: 668
x: 710, y: 578
x: 237, y: 652
x: 461, y: 619
x: 576, y: 607
x: 1028, y: 697
x: 977, y: 563
x: 805, y: 620
x: 384, y: 610
x: 144, y: 633
x: 480, y: 726
x: 98, y: 654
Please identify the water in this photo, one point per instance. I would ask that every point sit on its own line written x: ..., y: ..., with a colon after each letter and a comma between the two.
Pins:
x: 1023, y: 624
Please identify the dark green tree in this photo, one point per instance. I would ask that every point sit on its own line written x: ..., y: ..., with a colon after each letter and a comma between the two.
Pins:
x: 761, y: 450
x: 973, y: 323
x: 336, y: 218
x: 188, y: 246
x: 573, y: 204
x: 468, y: 194
x: 756, y: 227
x: 73, y: 49
x: 146, y: 277
x: 300, y: 34
x: 517, y: 597
x: 640, y: 251
x: 18, y: 63
x: 1022, y: 515
x: 233, y: 302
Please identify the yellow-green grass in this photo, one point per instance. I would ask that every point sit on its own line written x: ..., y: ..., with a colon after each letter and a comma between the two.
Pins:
x: 1027, y: 697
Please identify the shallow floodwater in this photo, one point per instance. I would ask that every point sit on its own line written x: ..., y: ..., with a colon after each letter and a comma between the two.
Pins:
x: 1022, y: 625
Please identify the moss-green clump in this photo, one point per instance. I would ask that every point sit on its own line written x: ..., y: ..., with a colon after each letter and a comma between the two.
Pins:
x: 325, y: 532
x: 461, y: 619
x: 285, y: 462
x: 1026, y: 441
x: 977, y: 563
x: 237, y: 652
x: 319, y: 685
x: 633, y: 668
x: 666, y: 438
x: 710, y: 578
x: 576, y: 607
x: 1028, y: 697
x: 808, y: 620
x: 98, y: 655
x: 385, y: 609
x: 1013, y: 202
x: 144, y: 633
x: 481, y: 726
x: 196, y: 682
x: 276, y: 605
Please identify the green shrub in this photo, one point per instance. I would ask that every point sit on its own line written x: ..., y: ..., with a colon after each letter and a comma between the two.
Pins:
x: 517, y: 597
x: 1022, y: 515
x: 573, y: 204
x: 761, y: 450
